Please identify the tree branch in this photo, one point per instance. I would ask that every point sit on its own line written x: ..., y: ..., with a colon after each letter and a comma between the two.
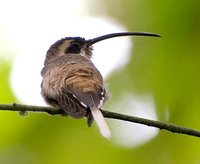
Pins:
x: 53, y: 111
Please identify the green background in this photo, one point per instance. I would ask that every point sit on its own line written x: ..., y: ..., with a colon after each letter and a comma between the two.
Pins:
x: 168, y: 67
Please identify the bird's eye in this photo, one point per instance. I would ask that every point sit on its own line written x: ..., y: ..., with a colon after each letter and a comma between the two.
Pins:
x: 73, y: 48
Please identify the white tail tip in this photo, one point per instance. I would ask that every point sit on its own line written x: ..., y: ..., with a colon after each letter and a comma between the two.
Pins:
x: 99, y: 119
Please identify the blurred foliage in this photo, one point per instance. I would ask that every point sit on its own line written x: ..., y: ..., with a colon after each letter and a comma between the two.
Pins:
x: 5, y: 90
x: 168, y: 67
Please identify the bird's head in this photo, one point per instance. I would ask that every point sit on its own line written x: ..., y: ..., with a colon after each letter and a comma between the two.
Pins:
x: 81, y: 46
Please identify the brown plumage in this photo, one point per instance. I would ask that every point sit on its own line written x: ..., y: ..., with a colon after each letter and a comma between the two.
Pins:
x: 72, y: 73
x: 72, y: 83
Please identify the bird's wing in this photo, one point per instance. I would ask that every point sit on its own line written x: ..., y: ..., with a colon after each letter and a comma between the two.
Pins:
x: 93, y: 100
x: 71, y: 105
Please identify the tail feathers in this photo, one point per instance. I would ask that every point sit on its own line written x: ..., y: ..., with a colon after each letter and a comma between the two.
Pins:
x: 99, y: 119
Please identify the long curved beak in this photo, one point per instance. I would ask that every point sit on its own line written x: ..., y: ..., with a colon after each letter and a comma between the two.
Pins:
x: 113, y: 35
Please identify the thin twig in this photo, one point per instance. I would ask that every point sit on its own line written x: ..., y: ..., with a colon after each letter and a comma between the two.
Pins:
x: 157, y: 124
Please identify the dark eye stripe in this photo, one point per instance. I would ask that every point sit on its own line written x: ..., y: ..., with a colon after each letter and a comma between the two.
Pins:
x: 73, y: 48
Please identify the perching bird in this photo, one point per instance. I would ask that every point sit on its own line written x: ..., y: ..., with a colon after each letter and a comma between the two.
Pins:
x: 71, y: 81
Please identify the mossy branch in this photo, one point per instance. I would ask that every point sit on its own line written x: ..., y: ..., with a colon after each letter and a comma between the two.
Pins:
x: 157, y: 124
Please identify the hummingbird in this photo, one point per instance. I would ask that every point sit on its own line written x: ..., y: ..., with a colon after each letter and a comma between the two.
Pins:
x: 72, y: 83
